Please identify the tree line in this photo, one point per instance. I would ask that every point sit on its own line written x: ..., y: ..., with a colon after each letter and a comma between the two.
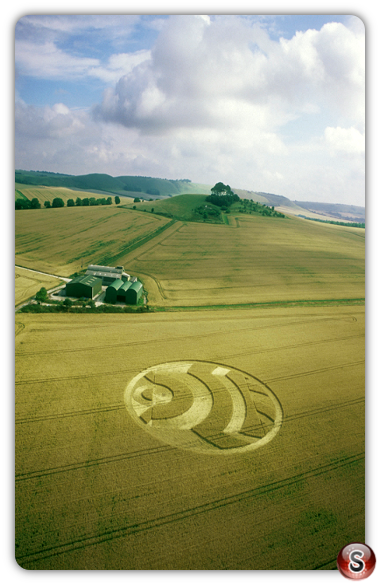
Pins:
x: 59, y: 202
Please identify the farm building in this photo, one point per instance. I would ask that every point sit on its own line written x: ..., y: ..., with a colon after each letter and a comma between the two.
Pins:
x: 119, y: 291
x: 84, y: 286
x: 108, y: 274
x: 134, y: 293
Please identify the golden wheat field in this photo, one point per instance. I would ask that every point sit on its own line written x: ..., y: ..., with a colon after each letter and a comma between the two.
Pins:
x: 63, y: 240
x: 28, y: 283
x: 257, y: 259
x: 117, y: 469
x: 43, y: 193
x: 261, y: 260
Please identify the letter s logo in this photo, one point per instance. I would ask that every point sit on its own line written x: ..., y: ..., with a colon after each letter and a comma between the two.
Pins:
x: 356, y: 565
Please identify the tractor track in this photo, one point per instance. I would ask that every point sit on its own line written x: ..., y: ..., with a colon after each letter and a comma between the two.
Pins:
x: 165, y: 448
x: 168, y: 519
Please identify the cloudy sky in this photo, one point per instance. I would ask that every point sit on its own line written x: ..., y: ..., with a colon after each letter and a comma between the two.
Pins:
x: 266, y: 103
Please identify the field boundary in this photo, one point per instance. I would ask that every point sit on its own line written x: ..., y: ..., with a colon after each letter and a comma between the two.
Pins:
x: 138, y: 242
x: 297, y: 303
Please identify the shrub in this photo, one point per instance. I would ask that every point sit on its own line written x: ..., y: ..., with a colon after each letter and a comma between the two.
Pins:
x: 42, y: 294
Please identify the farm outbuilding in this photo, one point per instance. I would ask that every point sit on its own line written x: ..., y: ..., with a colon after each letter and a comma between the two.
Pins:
x: 117, y: 290
x: 113, y: 291
x: 108, y: 274
x: 84, y: 286
x: 121, y: 296
x: 134, y: 293
x: 124, y: 292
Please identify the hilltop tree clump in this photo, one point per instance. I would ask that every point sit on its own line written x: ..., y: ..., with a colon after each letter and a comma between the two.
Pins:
x: 222, y: 196
x: 221, y: 189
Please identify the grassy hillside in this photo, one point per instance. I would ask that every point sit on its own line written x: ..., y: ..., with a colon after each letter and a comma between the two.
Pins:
x: 196, y: 208
x: 182, y: 207
x: 125, y: 186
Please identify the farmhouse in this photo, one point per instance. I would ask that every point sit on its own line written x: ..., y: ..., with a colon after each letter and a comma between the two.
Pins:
x: 108, y: 274
x: 84, y: 286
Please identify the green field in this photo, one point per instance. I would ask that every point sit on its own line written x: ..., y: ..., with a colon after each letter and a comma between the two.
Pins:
x: 224, y: 429
x: 180, y: 207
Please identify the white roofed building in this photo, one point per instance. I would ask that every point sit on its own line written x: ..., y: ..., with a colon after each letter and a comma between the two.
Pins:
x: 108, y: 274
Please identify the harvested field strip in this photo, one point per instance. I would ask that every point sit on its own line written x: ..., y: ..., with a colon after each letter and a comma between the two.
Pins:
x: 191, y: 512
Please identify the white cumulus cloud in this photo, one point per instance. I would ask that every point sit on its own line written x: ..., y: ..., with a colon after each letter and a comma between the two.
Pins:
x: 348, y: 140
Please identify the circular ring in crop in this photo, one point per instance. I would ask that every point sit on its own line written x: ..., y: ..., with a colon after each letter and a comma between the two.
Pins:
x: 204, y: 407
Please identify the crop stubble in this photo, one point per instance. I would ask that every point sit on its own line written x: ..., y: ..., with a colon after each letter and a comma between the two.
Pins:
x: 94, y: 490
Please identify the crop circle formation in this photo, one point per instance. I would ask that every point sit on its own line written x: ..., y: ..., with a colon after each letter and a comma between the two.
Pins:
x: 204, y: 407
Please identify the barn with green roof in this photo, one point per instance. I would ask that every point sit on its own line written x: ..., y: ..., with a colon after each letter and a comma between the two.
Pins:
x: 124, y: 292
x: 134, y: 293
x: 112, y: 292
x: 84, y: 286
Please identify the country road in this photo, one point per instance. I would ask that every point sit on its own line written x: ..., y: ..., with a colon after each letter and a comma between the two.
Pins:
x: 45, y: 273
x: 18, y: 307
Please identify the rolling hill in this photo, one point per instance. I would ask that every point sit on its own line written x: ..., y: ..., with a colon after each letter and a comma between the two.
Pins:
x: 126, y: 186
x: 148, y: 188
